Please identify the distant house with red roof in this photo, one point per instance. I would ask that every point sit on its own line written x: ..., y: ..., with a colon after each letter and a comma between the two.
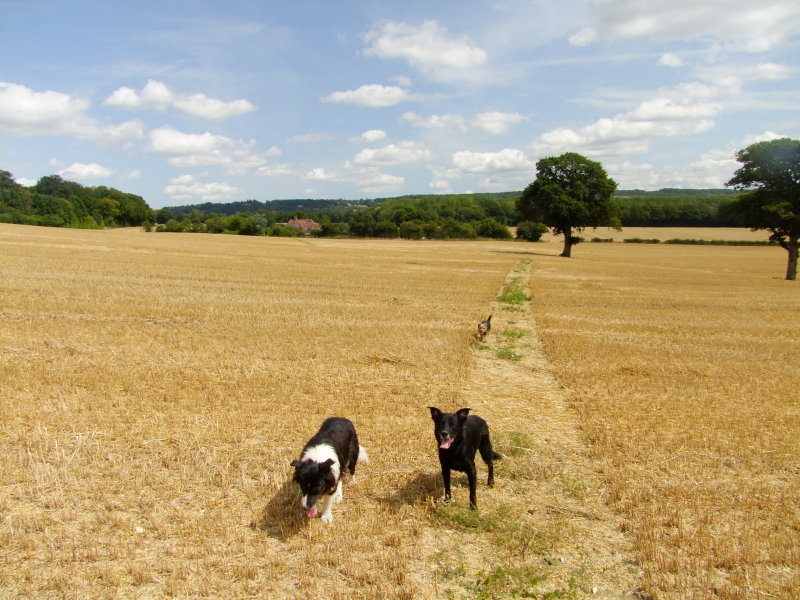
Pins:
x: 306, y: 226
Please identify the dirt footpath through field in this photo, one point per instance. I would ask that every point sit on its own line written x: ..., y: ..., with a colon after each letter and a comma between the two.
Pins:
x: 547, y: 528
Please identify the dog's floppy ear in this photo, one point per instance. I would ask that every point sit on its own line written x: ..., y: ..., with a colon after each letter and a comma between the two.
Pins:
x: 326, y: 465
x: 462, y: 414
x: 296, y: 463
x: 435, y: 413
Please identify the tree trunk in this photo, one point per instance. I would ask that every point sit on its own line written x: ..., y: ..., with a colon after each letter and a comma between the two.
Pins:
x: 793, y: 248
x: 567, y: 252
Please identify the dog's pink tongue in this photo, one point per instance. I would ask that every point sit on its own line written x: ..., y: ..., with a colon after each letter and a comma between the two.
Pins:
x: 311, y: 512
x: 446, y: 444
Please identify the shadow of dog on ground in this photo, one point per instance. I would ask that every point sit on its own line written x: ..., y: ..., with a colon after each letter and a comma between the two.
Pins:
x: 424, y: 487
x: 282, y: 517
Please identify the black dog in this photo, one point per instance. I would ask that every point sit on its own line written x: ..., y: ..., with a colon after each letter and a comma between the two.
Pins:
x: 459, y: 436
x: 322, y: 463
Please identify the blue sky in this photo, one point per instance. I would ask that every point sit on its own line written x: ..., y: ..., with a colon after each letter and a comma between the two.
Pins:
x: 195, y: 101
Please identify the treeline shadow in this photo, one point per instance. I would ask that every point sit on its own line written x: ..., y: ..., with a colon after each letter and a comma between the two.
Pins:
x: 542, y: 252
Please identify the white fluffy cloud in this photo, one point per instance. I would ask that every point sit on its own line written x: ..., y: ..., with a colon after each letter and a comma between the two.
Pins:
x: 26, y: 113
x: 191, y: 150
x: 428, y: 47
x: 320, y: 174
x: 275, y: 170
x: 201, y: 106
x: 447, y: 121
x: 497, y: 122
x: 402, y: 153
x: 379, y: 183
x: 670, y: 59
x: 371, y: 96
x: 167, y: 140
x: 711, y: 170
x: 491, y: 122
x: 368, y: 178
x: 156, y: 95
x: 83, y: 171
x: 743, y: 24
x: 507, y: 169
x: 489, y: 162
x: 373, y: 135
x: 769, y: 71
x: 186, y: 187
x: 683, y: 110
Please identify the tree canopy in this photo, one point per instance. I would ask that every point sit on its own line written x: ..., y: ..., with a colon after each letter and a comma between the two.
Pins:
x: 454, y: 216
x: 570, y: 193
x: 56, y: 202
x: 770, y: 178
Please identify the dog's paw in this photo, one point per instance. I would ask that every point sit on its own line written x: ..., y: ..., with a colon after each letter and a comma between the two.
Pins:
x: 326, y: 517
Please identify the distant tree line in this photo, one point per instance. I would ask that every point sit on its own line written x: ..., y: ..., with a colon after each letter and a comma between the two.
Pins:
x: 463, y: 216
x: 277, y: 206
x: 55, y: 202
x: 676, y: 208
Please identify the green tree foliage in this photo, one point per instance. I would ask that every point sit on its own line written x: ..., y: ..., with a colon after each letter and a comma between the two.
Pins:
x: 330, y: 228
x: 489, y: 228
x: 385, y: 229
x: 770, y: 179
x: 15, y: 200
x: 464, y: 216
x: 530, y: 231
x: 362, y: 223
x: 163, y: 215
x: 412, y: 230
x: 681, y: 209
x: 55, y: 202
x: 570, y: 193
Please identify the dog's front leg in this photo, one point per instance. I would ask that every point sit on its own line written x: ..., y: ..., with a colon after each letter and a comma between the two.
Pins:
x: 446, y: 481
x: 327, y: 504
x: 337, y: 497
x: 472, y: 477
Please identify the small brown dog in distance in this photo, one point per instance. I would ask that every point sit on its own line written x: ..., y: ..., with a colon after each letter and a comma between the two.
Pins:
x: 484, y: 327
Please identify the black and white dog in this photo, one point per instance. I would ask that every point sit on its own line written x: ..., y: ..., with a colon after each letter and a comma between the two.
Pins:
x: 320, y: 468
x: 459, y: 436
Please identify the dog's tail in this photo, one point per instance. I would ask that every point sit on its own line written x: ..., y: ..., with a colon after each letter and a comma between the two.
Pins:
x: 362, y: 455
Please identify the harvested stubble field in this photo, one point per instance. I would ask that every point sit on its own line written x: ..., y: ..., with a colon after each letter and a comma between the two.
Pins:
x: 155, y: 388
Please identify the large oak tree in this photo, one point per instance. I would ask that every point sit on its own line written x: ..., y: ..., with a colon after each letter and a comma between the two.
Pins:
x: 770, y: 179
x: 570, y: 193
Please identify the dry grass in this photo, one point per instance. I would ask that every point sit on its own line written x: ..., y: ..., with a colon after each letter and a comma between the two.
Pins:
x: 156, y: 386
x: 682, y: 365
x: 669, y: 233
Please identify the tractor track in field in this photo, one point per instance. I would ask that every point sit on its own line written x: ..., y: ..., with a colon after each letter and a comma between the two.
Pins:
x: 576, y: 544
